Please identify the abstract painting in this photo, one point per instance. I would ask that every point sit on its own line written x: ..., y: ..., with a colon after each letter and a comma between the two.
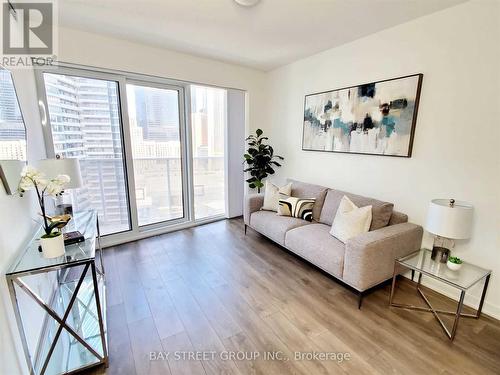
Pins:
x: 375, y: 118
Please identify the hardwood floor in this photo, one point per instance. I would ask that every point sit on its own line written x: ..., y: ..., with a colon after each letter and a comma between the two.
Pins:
x: 213, y: 291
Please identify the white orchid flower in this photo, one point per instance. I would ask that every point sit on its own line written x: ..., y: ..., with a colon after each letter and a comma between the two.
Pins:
x: 33, y: 174
x: 53, y: 188
x: 31, y: 178
x: 62, y: 179
x: 25, y: 184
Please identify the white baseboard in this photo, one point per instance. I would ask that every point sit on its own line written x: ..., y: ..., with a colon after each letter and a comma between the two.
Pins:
x: 472, y: 297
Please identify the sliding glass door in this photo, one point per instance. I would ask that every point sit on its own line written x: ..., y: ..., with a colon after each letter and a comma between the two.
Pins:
x: 85, y: 123
x: 154, y: 121
x: 152, y: 151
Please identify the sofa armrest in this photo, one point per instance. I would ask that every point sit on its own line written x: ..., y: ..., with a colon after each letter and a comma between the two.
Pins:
x: 369, y: 257
x: 252, y: 203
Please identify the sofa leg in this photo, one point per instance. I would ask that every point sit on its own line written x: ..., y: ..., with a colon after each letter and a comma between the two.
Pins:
x: 245, y: 229
x: 360, y: 299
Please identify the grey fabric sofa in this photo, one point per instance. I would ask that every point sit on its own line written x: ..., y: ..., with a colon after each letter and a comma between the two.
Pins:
x: 363, y: 261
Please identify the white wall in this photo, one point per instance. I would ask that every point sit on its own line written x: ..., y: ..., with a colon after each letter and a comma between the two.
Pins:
x: 16, y: 225
x: 456, y: 146
x: 235, y: 147
x: 84, y: 48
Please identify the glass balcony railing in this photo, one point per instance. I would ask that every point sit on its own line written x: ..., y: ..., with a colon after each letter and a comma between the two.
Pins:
x: 157, y: 195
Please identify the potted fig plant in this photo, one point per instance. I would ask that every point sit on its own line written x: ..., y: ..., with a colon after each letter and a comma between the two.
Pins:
x: 51, y: 241
x: 454, y: 263
x: 260, y: 159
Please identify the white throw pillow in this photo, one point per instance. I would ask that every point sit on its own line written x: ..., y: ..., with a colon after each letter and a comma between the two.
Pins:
x: 350, y: 220
x: 272, y: 195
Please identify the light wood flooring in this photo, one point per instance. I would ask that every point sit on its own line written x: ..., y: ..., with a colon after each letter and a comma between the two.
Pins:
x: 212, y: 289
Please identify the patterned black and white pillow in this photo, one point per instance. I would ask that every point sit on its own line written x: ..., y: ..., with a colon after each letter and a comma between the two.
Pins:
x: 296, y: 207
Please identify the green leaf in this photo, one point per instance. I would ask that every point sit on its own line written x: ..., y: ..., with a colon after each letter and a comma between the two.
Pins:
x: 259, y: 132
x: 259, y: 184
x: 51, y: 235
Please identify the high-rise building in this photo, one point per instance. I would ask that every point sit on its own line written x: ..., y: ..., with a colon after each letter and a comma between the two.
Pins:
x: 200, y: 133
x: 157, y: 113
x: 208, y: 121
x: 12, y: 130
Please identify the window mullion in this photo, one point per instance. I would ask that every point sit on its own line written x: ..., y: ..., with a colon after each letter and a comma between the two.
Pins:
x: 129, y: 162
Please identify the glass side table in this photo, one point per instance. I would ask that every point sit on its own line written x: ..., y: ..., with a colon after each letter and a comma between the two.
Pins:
x: 59, y: 303
x: 463, y: 279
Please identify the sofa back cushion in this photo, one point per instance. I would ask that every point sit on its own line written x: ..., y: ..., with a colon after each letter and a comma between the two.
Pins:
x: 305, y: 190
x: 272, y: 195
x: 398, y: 218
x: 381, y: 211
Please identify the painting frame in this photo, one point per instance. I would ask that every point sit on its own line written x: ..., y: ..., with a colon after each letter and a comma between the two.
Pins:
x: 413, y: 119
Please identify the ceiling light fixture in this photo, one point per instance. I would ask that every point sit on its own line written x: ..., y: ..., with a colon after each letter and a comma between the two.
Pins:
x: 247, y: 3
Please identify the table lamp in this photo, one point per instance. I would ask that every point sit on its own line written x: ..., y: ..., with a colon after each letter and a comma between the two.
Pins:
x: 449, y: 220
x: 71, y: 167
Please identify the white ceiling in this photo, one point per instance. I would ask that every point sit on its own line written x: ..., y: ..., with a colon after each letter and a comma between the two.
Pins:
x: 268, y: 35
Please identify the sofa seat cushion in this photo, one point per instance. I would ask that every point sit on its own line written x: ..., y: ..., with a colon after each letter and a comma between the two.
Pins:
x: 305, y: 190
x: 315, y: 244
x: 381, y: 211
x: 273, y: 226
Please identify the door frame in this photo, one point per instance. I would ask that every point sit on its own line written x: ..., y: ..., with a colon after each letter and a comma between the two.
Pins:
x: 184, y: 140
x: 123, y: 118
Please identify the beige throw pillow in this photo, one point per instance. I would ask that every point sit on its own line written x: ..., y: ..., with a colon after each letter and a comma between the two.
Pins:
x: 272, y: 195
x: 350, y: 220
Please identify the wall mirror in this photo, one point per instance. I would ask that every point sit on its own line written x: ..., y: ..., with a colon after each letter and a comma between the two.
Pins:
x: 13, y: 149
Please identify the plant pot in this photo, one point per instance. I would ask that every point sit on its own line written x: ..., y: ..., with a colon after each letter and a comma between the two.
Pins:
x: 453, y: 266
x: 52, y: 247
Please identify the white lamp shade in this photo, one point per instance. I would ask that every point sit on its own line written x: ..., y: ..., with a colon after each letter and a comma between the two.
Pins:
x: 71, y: 167
x: 450, y: 221
x: 247, y: 3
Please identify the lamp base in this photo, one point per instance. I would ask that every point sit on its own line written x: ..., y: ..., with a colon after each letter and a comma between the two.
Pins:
x: 440, y: 254
x: 64, y: 204
x: 64, y: 209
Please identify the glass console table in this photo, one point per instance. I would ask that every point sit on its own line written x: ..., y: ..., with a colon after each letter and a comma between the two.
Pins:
x: 463, y: 279
x: 65, y: 331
